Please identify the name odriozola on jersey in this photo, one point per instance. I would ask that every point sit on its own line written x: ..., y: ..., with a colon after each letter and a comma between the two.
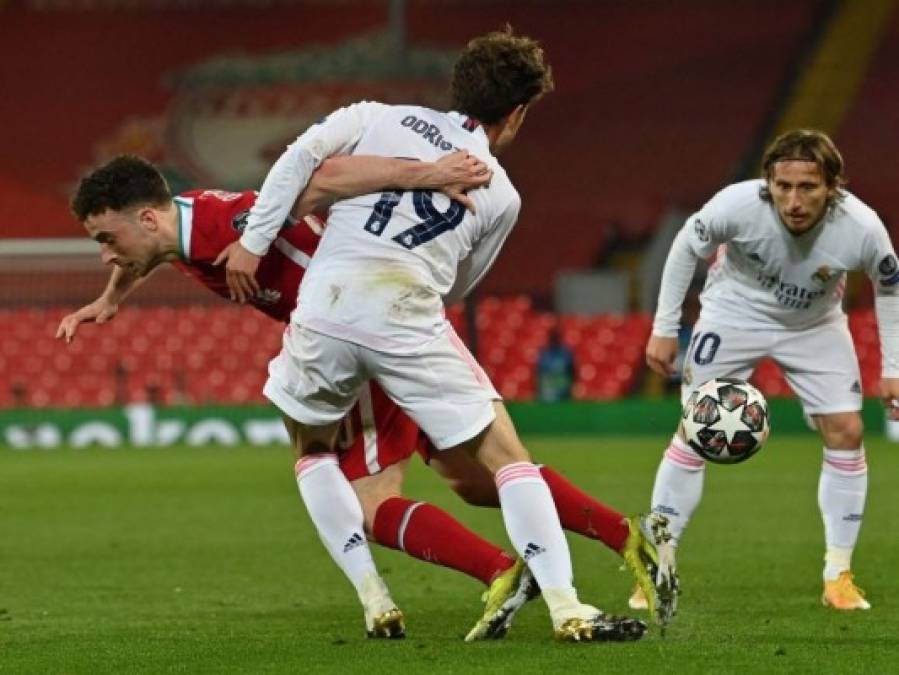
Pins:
x: 388, y: 261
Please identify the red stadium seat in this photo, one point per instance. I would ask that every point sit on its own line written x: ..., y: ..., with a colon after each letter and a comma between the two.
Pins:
x: 221, y: 353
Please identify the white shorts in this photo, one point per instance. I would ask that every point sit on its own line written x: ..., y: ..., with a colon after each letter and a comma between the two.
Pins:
x: 316, y: 380
x: 819, y: 363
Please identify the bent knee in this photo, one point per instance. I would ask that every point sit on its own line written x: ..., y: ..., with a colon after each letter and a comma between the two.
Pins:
x: 476, y: 494
x: 844, y: 432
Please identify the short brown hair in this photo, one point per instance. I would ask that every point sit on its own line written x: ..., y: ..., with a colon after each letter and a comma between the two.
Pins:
x: 809, y: 145
x: 122, y: 183
x: 498, y: 72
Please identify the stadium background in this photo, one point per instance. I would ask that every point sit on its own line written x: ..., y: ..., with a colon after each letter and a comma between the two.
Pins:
x: 177, y: 559
x: 657, y: 105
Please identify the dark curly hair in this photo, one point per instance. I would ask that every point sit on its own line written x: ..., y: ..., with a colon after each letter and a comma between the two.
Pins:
x: 498, y: 72
x: 122, y: 183
x: 809, y: 145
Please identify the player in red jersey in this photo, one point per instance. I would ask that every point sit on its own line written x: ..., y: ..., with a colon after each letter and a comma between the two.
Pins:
x: 201, y: 224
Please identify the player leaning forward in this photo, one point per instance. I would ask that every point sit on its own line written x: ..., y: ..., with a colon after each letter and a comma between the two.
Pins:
x: 371, y: 307
x: 775, y: 291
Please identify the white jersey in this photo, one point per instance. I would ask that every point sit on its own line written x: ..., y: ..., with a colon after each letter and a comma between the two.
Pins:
x: 387, y: 261
x: 766, y: 278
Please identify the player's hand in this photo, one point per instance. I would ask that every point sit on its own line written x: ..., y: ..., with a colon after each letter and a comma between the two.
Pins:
x: 99, y: 311
x: 660, y: 354
x: 240, y: 272
x: 889, y: 392
x: 459, y: 172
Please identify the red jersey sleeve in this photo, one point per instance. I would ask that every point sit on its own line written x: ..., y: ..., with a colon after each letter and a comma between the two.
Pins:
x: 210, y: 220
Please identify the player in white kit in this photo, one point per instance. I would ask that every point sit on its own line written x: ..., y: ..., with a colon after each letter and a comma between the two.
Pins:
x: 371, y: 306
x: 786, y: 242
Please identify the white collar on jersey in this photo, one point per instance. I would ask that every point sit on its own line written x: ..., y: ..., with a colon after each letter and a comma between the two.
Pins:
x: 185, y: 224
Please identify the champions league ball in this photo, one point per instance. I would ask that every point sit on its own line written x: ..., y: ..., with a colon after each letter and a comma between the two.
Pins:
x: 725, y: 420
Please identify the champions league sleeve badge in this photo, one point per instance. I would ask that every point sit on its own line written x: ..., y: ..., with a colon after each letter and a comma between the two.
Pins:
x: 702, y: 232
x: 889, y: 270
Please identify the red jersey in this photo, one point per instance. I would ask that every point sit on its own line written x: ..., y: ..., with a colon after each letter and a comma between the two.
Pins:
x: 379, y: 433
x: 210, y: 220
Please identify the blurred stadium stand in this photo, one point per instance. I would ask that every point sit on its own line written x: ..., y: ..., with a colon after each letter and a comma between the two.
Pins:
x: 869, y: 135
x: 219, y: 353
x: 657, y: 105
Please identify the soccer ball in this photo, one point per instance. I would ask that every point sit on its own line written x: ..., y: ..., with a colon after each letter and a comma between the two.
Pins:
x: 725, y: 420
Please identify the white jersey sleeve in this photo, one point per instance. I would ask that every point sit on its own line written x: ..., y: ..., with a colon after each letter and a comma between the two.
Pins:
x: 336, y: 134
x: 699, y: 238
x: 388, y: 261
x: 483, y: 254
x: 880, y: 263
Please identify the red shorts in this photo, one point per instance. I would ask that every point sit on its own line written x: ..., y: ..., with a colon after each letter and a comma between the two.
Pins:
x: 376, y: 434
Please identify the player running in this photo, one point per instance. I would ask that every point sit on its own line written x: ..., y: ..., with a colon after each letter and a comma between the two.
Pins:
x: 194, y: 228
x: 787, y: 241
x: 371, y: 306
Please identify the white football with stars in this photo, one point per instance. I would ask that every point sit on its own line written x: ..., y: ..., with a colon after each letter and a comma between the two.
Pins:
x: 725, y: 420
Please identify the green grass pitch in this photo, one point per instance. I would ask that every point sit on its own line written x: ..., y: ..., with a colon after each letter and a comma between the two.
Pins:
x: 203, y: 561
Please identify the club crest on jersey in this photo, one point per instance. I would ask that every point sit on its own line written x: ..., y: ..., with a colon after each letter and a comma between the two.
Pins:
x: 268, y: 296
x: 702, y: 232
x: 239, y: 222
x: 822, y: 274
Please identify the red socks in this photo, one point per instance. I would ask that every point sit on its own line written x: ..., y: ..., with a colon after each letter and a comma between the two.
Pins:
x: 427, y: 533
x: 582, y: 514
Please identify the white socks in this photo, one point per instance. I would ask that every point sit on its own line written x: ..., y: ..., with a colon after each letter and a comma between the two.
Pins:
x: 532, y: 523
x: 337, y: 515
x: 678, y: 486
x: 841, y: 497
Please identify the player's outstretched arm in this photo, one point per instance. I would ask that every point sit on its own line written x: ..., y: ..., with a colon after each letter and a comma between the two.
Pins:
x: 104, y: 308
x: 352, y: 175
x: 348, y: 176
x: 337, y: 134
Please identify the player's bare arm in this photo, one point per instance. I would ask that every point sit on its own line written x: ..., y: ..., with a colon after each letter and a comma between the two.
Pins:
x: 240, y: 271
x: 348, y: 176
x: 104, y: 308
x: 660, y: 354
